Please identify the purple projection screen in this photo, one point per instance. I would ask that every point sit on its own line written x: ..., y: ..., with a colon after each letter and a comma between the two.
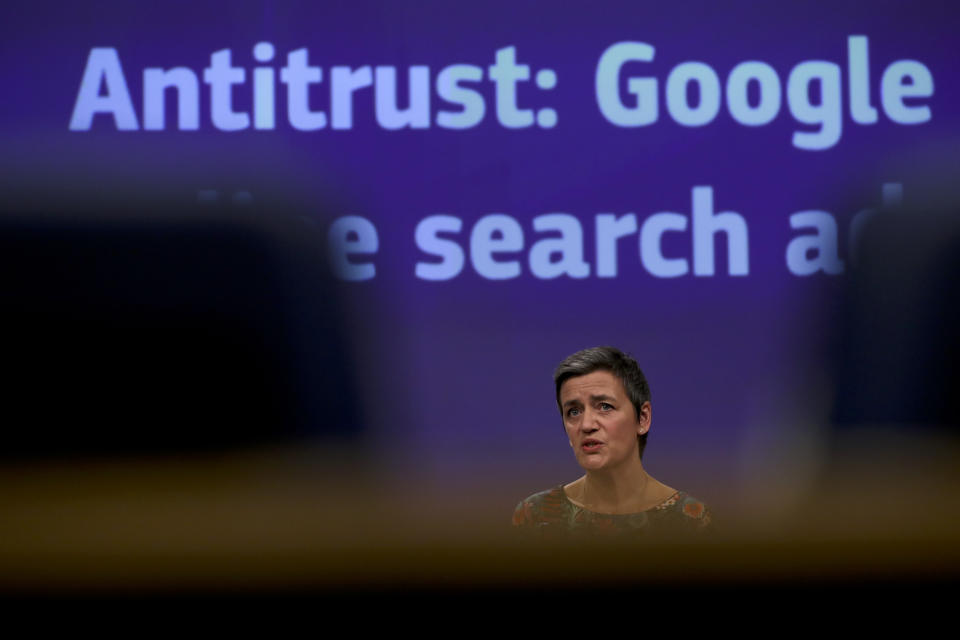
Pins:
x: 504, y: 183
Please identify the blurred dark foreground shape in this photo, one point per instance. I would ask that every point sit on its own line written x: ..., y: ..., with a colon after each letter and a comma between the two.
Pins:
x: 166, y: 326
x: 895, y: 444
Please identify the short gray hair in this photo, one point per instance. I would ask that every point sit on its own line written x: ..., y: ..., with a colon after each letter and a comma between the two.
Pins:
x: 616, y: 362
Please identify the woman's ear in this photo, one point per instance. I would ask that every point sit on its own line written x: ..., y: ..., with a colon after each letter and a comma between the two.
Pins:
x: 644, y: 418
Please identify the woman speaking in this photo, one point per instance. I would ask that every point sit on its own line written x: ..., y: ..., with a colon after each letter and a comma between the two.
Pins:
x: 604, y: 399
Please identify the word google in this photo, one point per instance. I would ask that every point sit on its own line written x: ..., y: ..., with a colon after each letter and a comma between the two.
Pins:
x: 753, y: 93
x: 901, y: 80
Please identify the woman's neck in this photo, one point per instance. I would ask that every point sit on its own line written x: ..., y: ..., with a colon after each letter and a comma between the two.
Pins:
x: 624, y: 490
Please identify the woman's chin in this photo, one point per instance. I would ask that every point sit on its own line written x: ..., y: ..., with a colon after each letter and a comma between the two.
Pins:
x: 591, y: 463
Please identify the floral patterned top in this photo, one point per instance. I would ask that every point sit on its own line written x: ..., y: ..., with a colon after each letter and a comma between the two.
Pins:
x: 551, y: 513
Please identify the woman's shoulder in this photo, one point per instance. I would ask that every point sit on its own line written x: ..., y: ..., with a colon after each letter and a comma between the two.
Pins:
x: 543, y: 506
x: 553, y: 494
x: 683, y: 506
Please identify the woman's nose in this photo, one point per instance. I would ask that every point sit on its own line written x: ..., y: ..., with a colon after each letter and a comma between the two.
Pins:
x: 589, y: 422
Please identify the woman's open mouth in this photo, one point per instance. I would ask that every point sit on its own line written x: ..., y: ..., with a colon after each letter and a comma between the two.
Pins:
x: 589, y: 445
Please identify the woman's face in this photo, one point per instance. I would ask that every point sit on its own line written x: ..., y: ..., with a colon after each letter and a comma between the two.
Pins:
x: 601, y: 422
